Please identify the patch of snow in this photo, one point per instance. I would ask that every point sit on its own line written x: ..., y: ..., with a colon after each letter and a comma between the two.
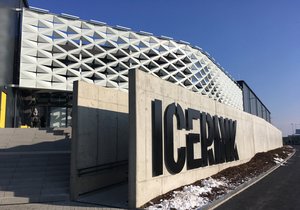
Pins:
x: 190, y: 196
x: 210, y: 182
x: 194, y: 197
x: 278, y: 160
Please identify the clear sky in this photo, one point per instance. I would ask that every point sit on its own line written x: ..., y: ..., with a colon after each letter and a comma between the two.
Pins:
x: 254, y: 40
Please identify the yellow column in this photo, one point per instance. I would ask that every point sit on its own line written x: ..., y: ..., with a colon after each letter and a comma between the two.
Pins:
x: 3, y: 110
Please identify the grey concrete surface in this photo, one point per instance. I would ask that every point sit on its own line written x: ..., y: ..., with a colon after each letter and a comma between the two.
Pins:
x: 33, y: 140
x: 279, y: 190
x: 253, y: 135
x: 113, y: 196
x: 56, y: 206
x: 35, y: 171
x: 34, y: 166
x: 34, y: 178
x: 99, y: 147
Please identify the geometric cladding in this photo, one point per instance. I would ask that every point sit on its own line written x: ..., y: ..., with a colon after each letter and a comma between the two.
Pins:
x: 58, y: 50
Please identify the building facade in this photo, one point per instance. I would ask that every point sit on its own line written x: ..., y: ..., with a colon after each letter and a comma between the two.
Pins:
x: 53, y: 51
x: 10, y: 33
x: 252, y: 104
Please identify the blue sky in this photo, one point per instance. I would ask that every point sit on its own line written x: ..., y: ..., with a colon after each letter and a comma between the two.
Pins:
x: 257, y: 41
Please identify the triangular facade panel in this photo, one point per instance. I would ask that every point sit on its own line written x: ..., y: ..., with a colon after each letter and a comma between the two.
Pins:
x: 56, y: 51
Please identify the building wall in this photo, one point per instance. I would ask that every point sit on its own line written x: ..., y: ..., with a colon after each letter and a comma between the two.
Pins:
x: 8, y: 37
x: 99, y: 154
x: 58, y: 50
x: 252, y: 104
x: 9, y: 51
x: 103, y: 132
x: 253, y: 135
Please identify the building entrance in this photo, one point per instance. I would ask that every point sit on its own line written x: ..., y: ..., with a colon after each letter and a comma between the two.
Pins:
x: 44, y: 109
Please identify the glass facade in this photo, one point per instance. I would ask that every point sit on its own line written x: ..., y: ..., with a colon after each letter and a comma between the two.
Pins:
x: 38, y: 108
x: 252, y: 104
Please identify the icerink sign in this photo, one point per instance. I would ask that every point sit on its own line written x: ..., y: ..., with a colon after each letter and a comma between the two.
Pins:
x: 215, y: 131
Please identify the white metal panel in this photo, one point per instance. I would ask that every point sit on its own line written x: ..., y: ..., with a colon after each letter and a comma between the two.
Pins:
x: 61, y: 50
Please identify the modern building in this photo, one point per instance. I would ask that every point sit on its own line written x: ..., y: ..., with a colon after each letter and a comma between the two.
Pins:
x: 53, y: 67
x: 10, y: 33
x: 252, y: 104
x: 43, y: 54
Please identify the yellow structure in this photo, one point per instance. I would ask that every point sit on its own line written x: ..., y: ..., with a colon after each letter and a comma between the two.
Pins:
x: 3, y: 110
x: 24, y: 126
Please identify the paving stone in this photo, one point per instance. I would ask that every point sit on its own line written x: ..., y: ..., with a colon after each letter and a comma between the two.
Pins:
x: 8, y: 165
x: 4, y: 175
x: 34, y: 167
x: 56, y: 184
x: 13, y: 200
x: 29, y: 180
x: 2, y: 193
x: 56, y: 197
x: 54, y: 206
x: 56, y: 190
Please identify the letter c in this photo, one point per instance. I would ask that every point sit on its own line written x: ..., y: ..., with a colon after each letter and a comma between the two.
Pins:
x: 173, y: 166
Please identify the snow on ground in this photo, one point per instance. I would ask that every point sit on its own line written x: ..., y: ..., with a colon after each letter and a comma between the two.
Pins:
x: 190, y: 196
x: 278, y: 160
x: 195, y: 197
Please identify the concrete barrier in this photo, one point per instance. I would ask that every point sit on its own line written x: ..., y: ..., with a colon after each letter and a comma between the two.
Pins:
x: 105, y: 137
x: 253, y: 135
x: 99, y: 147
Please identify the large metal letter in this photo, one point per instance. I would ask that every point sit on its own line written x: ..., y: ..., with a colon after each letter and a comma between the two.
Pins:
x: 207, y: 137
x: 210, y: 138
x: 191, y: 114
x: 227, y: 139
x: 173, y: 166
x: 217, y: 140
x: 223, y: 140
x: 226, y: 126
x: 203, y: 139
x: 157, y: 158
x: 234, y: 152
x: 191, y: 139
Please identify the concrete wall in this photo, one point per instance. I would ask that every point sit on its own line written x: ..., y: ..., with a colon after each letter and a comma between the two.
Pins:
x: 101, y: 129
x: 99, y: 155
x: 252, y: 103
x: 253, y: 135
x: 9, y: 24
x: 9, y: 52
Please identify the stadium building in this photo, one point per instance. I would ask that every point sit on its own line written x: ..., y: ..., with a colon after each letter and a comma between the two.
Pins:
x: 42, y: 54
x: 61, y: 71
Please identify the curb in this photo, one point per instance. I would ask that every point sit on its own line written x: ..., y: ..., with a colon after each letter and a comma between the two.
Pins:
x: 243, y: 187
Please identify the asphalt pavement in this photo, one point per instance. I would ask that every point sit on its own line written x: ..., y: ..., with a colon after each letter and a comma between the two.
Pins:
x: 278, y: 190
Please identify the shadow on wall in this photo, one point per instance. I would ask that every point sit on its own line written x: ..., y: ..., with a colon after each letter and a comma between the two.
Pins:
x: 35, y: 173
x: 54, y: 146
x: 99, y: 149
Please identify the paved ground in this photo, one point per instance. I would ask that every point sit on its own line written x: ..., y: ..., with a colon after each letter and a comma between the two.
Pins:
x: 35, y: 171
x: 55, y: 206
x: 279, y: 190
x: 27, y: 178
x: 34, y: 166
